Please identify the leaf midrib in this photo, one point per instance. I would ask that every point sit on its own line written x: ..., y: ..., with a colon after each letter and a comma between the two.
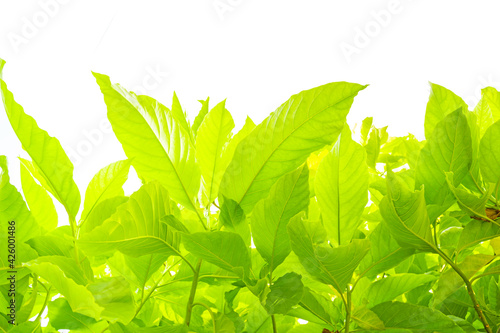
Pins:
x: 288, y: 136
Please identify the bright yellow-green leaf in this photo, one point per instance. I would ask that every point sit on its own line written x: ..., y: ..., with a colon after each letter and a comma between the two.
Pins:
x: 51, y: 166
x: 341, y: 187
x: 288, y: 196
x: 39, y: 201
x: 305, y: 123
x: 211, y: 141
x: 135, y: 228
x: 107, y: 183
x: 160, y: 148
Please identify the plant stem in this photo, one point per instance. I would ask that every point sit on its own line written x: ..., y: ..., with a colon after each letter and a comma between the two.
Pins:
x: 210, y: 312
x: 74, y: 231
x: 192, y: 293
x: 44, y: 302
x: 143, y: 300
x: 348, y: 310
x: 273, y: 319
x: 468, y: 284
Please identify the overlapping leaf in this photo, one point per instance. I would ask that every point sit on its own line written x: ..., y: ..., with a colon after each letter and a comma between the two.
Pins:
x: 341, y: 187
x: 305, y: 123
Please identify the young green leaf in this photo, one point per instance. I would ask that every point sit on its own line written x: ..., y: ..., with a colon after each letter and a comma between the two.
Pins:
x: 135, y: 228
x: 487, y: 110
x: 385, y: 253
x: 79, y: 298
x: 441, y: 103
x: 115, y: 296
x: 467, y: 201
x: 62, y: 317
x: 390, y: 287
x: 107, y: 183
x: 13, y: 208
x: 51, y: 166
x: 489, y: 154
x: 305, y: 123
x: 222, y: 248
x: 450, y: 281
x: 284, y: 293
x: 333, y: 266
x: 400, y: 316
x: 233, y: 218
x: 160, y: 148
x: 39, y: 201
x: 288, y: 196
x: 211, y: 141
x: 405, y: 215
x: 449, y: 148
x: 341, y: 187
x: 201, y: 115
x: 367, y: 319
x: 475, y: 232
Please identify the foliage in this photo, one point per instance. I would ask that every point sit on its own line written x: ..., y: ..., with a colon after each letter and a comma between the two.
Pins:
x: 290, y: 225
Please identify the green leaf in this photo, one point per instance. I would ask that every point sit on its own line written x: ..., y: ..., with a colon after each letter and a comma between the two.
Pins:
x: 341, y: 187
x: 115, y: 296
x: 366, y: 125
x: 67, y: 265
x: 367, y: 319
x: 441, y: 103
x: 79, y: 298
x: 159, y: 146
x: 475, y: 232
x: 136, y: 270
x: 135, y: 228
x: 51, y: 166
x: 211, y: 142
x: 372, y: 148
x: 320, y: 307
x: 305, y: 123
x: 467, y: 201
x: 13, y: 208
x: 222, y: 248
x: 233, y: 218
x: 449, y: 148
x: 173, y: 222
x: 39, y: 201
x: 450, y: 281
x: 405, y: 215
x: 29, y: 326
x: 385, y: 253
x: 388, y: 288
x: 62, y: 317
x: 487, y: 110
x: 201, y: 115
x: 418, y: 319
x: 333, y: 266
x: 284, y: 293
x: 288, y: 196
x: 106, y: 184
x: 489, y: 154
x: 179, y: 115
x: 101, y: 212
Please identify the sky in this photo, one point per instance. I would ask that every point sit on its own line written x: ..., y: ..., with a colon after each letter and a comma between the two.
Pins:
x: 255, y: 53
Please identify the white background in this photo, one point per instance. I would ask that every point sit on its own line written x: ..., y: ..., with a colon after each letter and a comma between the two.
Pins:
x: 255, y: 53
